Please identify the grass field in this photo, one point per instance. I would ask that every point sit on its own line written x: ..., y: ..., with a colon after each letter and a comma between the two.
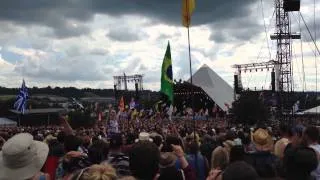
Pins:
x: 6, y: 97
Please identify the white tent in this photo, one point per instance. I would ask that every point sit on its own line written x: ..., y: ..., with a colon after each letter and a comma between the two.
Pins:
x: 216, y: 88
x: 315, y: 110
x: 7, y: 122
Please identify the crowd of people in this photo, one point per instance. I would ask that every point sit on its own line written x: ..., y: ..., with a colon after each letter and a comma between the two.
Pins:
x: 156, y: 148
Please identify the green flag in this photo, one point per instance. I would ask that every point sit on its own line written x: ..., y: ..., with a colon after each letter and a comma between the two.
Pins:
x: 166, y: 75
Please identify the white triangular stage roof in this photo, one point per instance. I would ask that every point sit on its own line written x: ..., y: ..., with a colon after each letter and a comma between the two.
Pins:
x: 7, y: 122
x: 315, y: 110
x: 216, y: 88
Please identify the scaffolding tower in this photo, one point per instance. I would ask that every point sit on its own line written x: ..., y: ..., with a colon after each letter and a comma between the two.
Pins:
x: 121, y: 82
x: 282, y: 65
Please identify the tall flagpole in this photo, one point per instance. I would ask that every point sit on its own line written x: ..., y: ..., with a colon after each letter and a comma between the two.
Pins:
x: 191, y: 81
x: 190, y: 66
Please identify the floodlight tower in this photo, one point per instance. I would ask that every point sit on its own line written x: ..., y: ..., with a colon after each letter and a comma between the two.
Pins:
x: 284, y: 37
x: 281, y: 75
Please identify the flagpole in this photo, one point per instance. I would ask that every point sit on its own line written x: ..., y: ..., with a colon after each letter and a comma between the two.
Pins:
x: 192, y: 91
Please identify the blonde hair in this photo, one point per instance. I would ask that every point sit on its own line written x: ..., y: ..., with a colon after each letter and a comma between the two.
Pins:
x: 127, y: 178
x: 99, y: 172
x: 219, y: 158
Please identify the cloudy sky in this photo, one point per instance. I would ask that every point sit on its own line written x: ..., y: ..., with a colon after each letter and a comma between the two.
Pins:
x: 84, y: 43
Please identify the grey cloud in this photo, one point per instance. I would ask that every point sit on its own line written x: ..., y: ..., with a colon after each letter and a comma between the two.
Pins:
x: 77, y: 50
x: 170, y: 11
x: 74, y: 51
x: 133, y: 66
x: 235, y: 30
x: 142, y: 68
x: 69, y: 69
x: 56, y: 14
x: 69, y: 31
x: 162, y: 37
x: 39, y: 44
x: 123, y: 34
x: 152, y: 76
x: 304, y: 31
x: 99, y: 52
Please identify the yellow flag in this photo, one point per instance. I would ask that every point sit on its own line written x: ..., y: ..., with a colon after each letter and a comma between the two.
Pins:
x: 187, y: 9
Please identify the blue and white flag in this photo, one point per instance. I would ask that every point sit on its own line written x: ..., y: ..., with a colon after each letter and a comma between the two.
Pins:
x: 132, y: 104
x: 21, y: 101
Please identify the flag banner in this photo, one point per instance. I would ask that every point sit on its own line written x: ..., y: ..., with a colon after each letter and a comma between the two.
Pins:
x: 227, y: 105
x: 121, y: 104
x: 100, y: 116
x: 215, y: 108
x: 187, y: 9
x: 166, y: 75
x: 132, y: 104
x: 21, y: 101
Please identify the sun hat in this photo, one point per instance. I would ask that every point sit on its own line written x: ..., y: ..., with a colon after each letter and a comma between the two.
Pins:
x: 144, y: 136
x: 22, y: 157
x: 262, y: 140
x: 167, y: 159
x: 228, y: 144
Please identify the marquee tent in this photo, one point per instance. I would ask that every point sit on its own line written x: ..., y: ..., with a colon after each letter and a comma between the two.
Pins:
x: 7, y: 122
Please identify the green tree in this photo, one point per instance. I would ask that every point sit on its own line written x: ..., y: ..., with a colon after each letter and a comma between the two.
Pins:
x: 80, y: 119
x: 249, y: 109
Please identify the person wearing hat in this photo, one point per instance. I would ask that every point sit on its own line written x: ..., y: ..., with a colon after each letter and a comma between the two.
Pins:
x: 167, y: 165
x: 144, y: 160
x: 264, y: 162
x: 22, y: 158
x: 144, y: 136
x: 157, y: 139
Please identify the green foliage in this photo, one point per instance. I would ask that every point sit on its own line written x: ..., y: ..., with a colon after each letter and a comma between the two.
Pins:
x: 70, y: 92
x: 249, y: 109
x: 80, y: 119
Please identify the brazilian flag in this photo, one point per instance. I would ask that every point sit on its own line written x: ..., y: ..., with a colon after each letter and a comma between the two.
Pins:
x: 166, y: 75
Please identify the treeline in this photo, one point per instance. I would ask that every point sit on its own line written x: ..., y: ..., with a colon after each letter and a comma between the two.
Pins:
x: 64, y: 91
x: 306, y: 100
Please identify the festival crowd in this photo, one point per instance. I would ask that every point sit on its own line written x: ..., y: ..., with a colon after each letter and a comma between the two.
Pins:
x: 152, y: 147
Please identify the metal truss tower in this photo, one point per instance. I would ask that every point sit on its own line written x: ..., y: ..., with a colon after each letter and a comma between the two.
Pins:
x: 282, y: 64
x: 120, y: 81
x: 284, y: 38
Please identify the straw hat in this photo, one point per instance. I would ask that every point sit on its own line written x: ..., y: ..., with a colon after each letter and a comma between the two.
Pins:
x: 144, y: 136
x: 262, y: 140
x: 228, y: 144
x: 22, y: 157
